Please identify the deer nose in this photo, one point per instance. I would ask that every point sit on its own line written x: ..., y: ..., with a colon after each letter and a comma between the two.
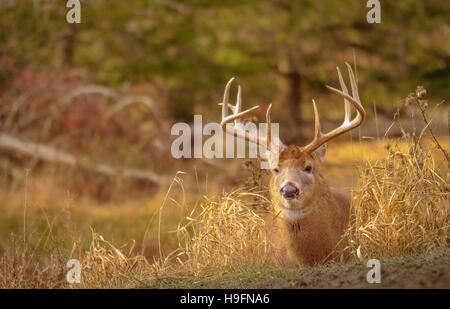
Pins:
x: 289, y: 191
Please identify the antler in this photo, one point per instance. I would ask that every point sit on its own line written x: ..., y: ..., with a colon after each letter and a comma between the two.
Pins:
x: 348, y: 124
x: 238, y: 129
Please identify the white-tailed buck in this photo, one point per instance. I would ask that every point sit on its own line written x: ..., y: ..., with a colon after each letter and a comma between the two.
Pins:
x: 312, y: 216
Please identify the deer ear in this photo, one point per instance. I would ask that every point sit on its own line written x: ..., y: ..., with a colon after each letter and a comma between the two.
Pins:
x: 319, y: 153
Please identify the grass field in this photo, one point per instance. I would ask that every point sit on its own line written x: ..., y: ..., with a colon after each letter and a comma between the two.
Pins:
x: 161, y: 240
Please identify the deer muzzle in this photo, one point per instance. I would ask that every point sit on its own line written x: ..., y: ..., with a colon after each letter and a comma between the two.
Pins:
x: 289, y: 191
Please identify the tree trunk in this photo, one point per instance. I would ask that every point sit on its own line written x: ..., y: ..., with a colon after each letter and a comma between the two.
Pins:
x: 69, y: 45
x: 293, y: 95
x: 292, y: 92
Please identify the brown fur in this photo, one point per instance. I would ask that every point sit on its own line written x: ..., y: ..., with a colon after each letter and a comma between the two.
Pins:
x: 312, y: 238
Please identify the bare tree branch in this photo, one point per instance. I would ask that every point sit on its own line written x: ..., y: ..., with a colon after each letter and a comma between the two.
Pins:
x: 49, y: 154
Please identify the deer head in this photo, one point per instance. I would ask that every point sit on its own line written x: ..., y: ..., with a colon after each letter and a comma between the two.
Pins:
x: 296, y: 180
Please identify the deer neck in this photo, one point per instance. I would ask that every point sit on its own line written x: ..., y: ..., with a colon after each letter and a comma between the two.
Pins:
x: 306, y: 233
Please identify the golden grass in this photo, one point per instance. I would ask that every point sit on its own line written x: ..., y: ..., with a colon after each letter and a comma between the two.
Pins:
x: 216, y: 236
x: 225, y: 232
x: 401, y: 205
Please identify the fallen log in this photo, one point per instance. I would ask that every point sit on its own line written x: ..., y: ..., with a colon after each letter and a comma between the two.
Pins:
x: 51, y: 155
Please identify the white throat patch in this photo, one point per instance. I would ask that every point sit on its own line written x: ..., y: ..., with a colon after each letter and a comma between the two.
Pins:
x: 295, y: 214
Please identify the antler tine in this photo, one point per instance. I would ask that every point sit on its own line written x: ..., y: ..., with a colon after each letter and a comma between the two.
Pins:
x: 236, y: 115
x: 237, y: 108
x: 226, y: 96
x: 353, y: 82
x: 225, y: 105
x: 317, y: 128
x: 348, y: 124
x: 354, y: 98
x: 268, y: 128
x: 347, y: 105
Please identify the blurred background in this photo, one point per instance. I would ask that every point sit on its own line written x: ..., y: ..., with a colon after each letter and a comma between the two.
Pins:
x: 86, y: 109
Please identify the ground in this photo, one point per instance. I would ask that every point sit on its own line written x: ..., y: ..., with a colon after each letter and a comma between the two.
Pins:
x: 426, y: 270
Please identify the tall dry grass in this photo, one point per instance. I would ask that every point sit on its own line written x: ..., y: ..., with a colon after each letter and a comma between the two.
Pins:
x: 226, y: 232
x: 400, y: 205
x: 216, y: 236
x: 402, y: 202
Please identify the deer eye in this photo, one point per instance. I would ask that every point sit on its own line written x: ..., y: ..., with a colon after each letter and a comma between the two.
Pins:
x: 308, y: 169
x: 276, y: 170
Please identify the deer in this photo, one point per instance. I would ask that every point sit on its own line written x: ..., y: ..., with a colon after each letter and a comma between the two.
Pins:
x: 311, y: 216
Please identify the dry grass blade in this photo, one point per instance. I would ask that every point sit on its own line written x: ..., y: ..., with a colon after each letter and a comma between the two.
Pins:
x: 400, y: 206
